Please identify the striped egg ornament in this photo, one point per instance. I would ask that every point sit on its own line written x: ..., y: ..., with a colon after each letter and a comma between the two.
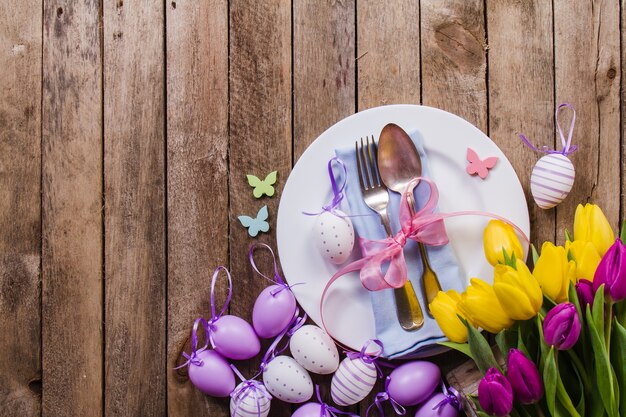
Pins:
x: 551, y: 180
x: 353, y: 381
x: 250, y: 401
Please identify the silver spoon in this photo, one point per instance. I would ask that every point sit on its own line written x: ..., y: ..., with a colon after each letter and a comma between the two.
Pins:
x: 399, y: 163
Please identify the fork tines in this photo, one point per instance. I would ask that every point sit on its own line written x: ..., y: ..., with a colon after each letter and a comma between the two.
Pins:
x: 366, y: 155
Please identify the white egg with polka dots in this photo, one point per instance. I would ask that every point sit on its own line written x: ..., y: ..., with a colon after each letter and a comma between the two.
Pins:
x: 287, y: 381
x: 334, y: 236
x: 312, y: 348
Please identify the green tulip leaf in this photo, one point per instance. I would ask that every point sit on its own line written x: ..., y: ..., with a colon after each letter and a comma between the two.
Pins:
x: 573, y: 298
x: 604, y: 373
x: 618, y: 348
x: 460, y: 347
x: 598, y: 314
x: 480, y: 349
x: 570, y: 256
x: 622, y: 233
x: 568, y: 236
x: 535, y: 254
x: 542, y: 344
x: 549, y: 380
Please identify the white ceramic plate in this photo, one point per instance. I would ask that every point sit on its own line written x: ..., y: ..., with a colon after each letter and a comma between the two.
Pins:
x: 347, y: 309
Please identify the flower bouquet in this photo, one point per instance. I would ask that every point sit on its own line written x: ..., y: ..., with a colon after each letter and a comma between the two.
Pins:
x: 560, y: 328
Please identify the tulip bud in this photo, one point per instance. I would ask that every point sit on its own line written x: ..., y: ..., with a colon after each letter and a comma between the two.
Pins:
x: 497, y: 237
x: 480, y: 305
x: 561, y: 327
x: 518, y: 291
x: 444, y: 309
x: 591, y: 225
x: 586, y: 257
x: 524, y: 377
x: 586, y: 294
x: 612, y: 272
x: 495, y: 394
x: 554, y: 272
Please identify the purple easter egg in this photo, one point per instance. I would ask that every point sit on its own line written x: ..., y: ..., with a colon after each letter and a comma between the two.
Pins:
x: 214, y: 377
x: 446, y: 410
x: 273, y: 310
x: 413, y: 382
x: 308, y: 410
x: 234, y: 338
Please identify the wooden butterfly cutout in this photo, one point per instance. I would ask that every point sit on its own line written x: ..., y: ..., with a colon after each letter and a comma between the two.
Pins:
x: 262, y: 186
x: 258, y: 224
x: 478, y: 166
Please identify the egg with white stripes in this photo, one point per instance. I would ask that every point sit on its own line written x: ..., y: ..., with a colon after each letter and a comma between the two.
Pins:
x: 312, y: 348
x: 551, y: 180
x: 250, y: 400
x: 353, y: 381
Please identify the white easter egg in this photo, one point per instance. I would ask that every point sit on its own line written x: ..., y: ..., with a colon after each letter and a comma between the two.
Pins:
x: 250, y: 401
x: 551, y: 180
x: 353, y: 381
x: 286, y: 380
x: 334, y: 236
x: 312, y: 348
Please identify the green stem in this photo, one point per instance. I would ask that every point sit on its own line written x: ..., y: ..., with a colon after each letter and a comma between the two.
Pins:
x: 608, y: 321
x: 581, y: 369
x: 620, y: 311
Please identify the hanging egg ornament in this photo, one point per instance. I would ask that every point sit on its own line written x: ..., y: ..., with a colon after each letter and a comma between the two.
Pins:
x: 413, y: 382
x: 353, y: 381
x: 234, y: 338
x: 273, y: 310
x: 553, y: 175
x: 286, y: 380
x: 211, y: 374
x: 551, y: 180
x: 334, y: 236
x: 312, y: 348
x: 437, y: 406
x: 250, y: 398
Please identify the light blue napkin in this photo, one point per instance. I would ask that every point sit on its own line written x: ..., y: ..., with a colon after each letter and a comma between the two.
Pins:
x: 398, y: 342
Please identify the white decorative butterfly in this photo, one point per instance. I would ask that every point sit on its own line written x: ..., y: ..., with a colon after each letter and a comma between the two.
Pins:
x: 259, y: 224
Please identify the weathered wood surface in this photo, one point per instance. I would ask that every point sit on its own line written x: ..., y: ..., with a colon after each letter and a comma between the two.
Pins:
x: 72, y: 274
x: 20, y: 208
x: 127, y: 129
x: 134, y: 201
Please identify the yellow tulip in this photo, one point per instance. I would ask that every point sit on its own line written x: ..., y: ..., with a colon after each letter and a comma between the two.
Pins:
x: 554, y: 272
x: 590, y: 225
x: 480, y: 304
x: 518, y: 291
x: 499, y: 236
x: 586, y: 257
x: 444, y: 309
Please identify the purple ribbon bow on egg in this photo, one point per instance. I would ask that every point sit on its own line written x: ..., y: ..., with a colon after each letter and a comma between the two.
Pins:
x: 568, y: 148
x: 248, y: 388
x: 278, y: 279
x: 382, y: 397
x: 369, y: 358
x: 452, y: 397
x: 337, y: 189
x: 274, y: 350
x: 328, y: 410
x: 193, y: 357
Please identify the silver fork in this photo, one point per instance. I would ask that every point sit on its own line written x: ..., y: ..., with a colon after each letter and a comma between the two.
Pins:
x: 376, y: 197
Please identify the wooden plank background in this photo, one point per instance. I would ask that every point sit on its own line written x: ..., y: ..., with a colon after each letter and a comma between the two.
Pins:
x: 127, y: 128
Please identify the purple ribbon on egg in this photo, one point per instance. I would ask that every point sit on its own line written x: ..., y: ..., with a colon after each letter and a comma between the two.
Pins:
x: 214, y: 316
x: 382, y: 397
x: 278, y: 279
x: 274, y: 350
x: 193, y: 357
x: 568, y: 148
x: 248, y: 388
x: 337, y: 189
x: 452, y: 397
x: 369, y: 358
x: 327, y: 410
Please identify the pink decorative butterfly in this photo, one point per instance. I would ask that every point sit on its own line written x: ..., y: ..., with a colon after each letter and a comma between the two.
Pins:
x: 478, y: 166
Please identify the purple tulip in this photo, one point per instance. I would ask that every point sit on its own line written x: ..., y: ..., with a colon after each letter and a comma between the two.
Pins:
x: 524, y: 377
x: 612, y: 272
x: 561, y: 327
x: 586, y: 293
x: 495, y: 394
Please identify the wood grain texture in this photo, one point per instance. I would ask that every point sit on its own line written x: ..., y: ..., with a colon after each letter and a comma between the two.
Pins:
x: 72, y: 210
x: 20, y: 207
x: 197, y: 181
x: 388, y: 52
x: 454, y: 58
x: 521, y: 92
x: 260, y: 136
x: 590, y: 81
x: 135, y: 353
x: 324, y: 67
